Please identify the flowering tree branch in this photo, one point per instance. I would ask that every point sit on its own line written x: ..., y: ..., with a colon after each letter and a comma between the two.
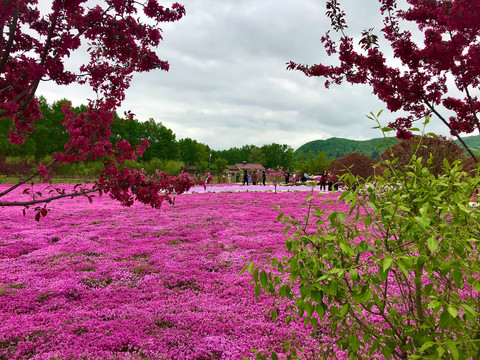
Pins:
x: 419, y: 85
x: 33, y: 48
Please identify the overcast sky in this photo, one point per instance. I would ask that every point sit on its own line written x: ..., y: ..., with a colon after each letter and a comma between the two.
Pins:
x: 228, y: 84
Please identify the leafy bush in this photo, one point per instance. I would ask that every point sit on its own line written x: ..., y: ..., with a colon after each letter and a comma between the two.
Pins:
x: 422, y: 146
x: 153, y: 165
x: 15, y: 166
x: 394, y: 272
x: 356, y: 164
x: 173, y: 167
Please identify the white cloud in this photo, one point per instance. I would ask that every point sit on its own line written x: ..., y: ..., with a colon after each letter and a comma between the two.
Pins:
x: 228, y: 84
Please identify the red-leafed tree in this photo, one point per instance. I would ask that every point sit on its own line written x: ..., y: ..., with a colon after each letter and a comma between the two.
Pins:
x: 34, y: 47
x: 423, y: 146
x: 357, y: 164
x: 438, y: 74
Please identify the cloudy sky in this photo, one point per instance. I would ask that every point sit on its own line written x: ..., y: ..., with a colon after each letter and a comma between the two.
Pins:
x: 228, y: 84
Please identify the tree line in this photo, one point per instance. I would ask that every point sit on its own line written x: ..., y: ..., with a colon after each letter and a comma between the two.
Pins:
x: 164, y: 153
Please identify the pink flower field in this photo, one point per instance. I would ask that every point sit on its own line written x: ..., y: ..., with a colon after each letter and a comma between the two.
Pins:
x: 101, y: 281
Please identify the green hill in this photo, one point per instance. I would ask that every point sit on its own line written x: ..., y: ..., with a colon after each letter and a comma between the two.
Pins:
x: 337, y: 147
x: 473, y: 142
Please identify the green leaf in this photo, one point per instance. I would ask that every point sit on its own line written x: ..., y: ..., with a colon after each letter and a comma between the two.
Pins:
x: 453, y: 350
x: 428, y: 289
x: 263, y: 279
x: 309, y: 308
x: 469, y: 309
x: 432, y: 244
x: 426, y: 345
x: 403, y: 269
x: 341, y: 217
x: 452, y: 311
x: 353, y: 274
x: 246, y: 267
x: 387, y: 352
x: 433, y: 304
x: 309, y: 197
x: 257, y: 290
x: 346, y: 248
x: 274, y: 356
x: 422, y: 221
x: 440, y: 351
x: 303, y: 291
x: 387, y: 263
x: 457, y: 276
x: 344, y: 310
x: 320, y: 310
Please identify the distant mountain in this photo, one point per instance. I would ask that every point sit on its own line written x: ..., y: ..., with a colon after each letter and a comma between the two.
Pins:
x: 473, y: 142
x: 338, y: 147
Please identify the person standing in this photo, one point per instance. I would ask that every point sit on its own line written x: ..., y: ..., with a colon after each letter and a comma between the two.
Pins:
x: 245, y: 178
x: 229, y: 177
x: 249, y: 178
x: 264, y: 177
x: 323, y: 181
x: 254, y: 178
x: 287, y: 177
x: 330, y: 181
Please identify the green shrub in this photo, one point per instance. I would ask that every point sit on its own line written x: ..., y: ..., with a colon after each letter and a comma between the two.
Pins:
x: 396, y: 273
x: 173, y: 167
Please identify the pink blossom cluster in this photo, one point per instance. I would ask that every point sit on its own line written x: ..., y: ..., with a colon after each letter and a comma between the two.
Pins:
x: 101, y: 281
x: 447, y: 49
x: 33, y: 48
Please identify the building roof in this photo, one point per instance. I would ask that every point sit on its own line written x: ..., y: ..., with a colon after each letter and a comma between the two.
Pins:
x: 189, y: 168
x: 242, y: 166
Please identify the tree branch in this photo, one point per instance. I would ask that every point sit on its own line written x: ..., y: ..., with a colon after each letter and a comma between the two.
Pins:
x: 11, y: 36
x: 471, y: 107
x: 47, y: 200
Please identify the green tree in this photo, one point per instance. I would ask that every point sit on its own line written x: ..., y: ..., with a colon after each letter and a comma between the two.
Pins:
x: 219, y: 166
x: 256, y: 156
x: 163, y: 144
x: 310, y: 163
x: 49, y: 136
x: 278, y: 155
x: 192, y: 152
x: 235, y: 155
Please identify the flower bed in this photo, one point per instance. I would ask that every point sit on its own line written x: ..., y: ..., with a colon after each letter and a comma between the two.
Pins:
x: 101, y: 281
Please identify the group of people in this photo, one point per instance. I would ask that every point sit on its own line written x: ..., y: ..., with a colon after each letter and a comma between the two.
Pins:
x: 254, y: 178
x: 326, y: 179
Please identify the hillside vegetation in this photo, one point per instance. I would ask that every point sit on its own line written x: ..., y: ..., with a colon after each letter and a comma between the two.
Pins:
x: 338, y: 147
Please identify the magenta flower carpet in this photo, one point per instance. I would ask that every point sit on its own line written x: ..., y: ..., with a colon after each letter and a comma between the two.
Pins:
x: 101, y: 281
